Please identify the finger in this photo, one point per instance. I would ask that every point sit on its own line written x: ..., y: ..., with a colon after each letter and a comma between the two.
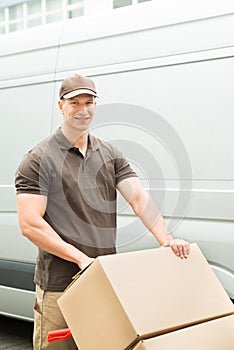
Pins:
x: 187, y: 248
x: 180, y: 248
x: 174, y: 247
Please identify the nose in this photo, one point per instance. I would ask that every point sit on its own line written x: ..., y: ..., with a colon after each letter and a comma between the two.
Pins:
x: 83, y: 110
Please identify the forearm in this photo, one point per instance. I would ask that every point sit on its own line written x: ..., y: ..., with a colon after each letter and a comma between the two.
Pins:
x: 159, y: 230
x: 153, y: 220
x: 42, y: 234
x: 151, y: 217
x: 147, y: 211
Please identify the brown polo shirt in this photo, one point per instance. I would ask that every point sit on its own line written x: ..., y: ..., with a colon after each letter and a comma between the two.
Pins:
x: 81, y: 199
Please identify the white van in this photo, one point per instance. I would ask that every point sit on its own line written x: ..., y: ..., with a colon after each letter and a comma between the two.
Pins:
x: 168, y: 63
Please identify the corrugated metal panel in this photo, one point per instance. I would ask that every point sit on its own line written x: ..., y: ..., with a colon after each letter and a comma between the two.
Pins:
x: 6, y: 3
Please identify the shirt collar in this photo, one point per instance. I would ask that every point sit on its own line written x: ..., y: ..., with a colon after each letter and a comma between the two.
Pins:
x: 62, y: 141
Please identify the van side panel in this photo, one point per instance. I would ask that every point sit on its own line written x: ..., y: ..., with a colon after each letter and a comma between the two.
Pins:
x: 166, y: 58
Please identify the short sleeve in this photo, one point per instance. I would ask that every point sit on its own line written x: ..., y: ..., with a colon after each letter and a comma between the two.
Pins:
x: 32, y: 176
x: 123, y: 169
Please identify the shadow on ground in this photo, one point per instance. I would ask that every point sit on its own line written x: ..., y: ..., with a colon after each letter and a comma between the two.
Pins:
x: 15, y: 334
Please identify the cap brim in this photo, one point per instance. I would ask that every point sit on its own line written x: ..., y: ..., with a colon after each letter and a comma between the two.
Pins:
x: 80, y: 92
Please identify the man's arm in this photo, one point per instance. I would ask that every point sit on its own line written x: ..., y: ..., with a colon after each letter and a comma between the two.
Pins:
x: 144, y: 207
x: 31, y: 209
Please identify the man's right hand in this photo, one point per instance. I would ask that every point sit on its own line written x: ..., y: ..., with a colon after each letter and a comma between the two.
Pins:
x: 86, y: 260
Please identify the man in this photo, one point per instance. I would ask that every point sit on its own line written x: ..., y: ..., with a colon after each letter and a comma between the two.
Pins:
x: 66, y: 200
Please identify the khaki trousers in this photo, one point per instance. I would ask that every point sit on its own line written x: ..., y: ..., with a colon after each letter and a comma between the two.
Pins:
x: 48, y: 317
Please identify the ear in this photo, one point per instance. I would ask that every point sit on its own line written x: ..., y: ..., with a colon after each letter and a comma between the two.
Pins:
x: 60, y: 105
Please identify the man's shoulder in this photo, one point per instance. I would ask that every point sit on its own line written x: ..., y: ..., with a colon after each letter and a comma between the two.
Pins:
x: 41, y: 152
x: 97, y: 143
x: 45, y: 146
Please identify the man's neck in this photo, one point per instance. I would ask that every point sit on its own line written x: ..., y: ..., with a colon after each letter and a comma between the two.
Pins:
x: 77, y: 138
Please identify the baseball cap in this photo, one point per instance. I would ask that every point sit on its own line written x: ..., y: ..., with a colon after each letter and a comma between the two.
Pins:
x: 77, y: 85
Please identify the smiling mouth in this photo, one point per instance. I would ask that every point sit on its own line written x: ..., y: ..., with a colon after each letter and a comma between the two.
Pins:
x: 81, y: 118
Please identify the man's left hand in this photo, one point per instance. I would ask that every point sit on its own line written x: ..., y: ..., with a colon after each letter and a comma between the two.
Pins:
x: 180, y: 247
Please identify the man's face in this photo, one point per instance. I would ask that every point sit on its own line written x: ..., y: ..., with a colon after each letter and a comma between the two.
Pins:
x: 78, y: 111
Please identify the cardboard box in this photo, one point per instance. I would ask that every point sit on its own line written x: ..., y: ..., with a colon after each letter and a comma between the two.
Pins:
x: 126, y: 297
x: 212, y: 335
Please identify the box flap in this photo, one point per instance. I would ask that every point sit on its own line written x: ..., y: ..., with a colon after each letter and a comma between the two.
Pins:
x: 214, y: 335
x: 93, y: 312
x: 159, y: 291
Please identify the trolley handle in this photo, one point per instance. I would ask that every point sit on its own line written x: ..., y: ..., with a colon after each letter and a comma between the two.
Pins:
x: 62, y: 334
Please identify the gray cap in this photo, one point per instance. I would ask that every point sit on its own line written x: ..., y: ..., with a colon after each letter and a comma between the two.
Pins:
x: 77, y: 85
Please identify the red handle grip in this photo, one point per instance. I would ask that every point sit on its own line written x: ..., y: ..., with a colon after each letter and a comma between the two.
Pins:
x: 61, y: 334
